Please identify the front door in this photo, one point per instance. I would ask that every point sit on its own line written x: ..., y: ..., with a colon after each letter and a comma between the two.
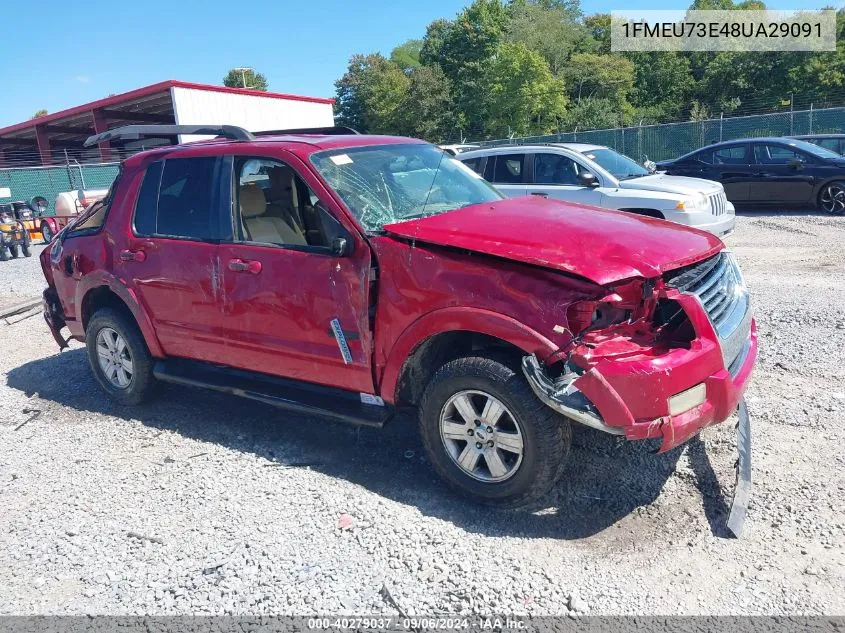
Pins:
x: 170, y: 261
x: 556, y: 176
x: 779, y: 175
x: 290, y: 307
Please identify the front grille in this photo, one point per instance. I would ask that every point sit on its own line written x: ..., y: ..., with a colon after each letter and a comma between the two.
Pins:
x: 718, y: 203
x: 717, y: 284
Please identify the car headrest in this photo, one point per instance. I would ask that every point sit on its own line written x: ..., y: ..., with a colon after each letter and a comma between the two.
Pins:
x: 253, y: 202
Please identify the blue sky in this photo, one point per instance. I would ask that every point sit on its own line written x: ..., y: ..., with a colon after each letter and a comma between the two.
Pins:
x: 88, y: 50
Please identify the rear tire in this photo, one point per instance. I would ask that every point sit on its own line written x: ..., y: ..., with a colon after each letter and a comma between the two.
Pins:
x: 119, y: 357
x: 4, y: 254
x: 25, y: 249
x: 13, y: 250
x: 832, y: 198
x: 512, y: 448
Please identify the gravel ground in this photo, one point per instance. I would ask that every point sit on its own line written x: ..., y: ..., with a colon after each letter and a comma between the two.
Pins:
x: 203, y: 503
x: 21, y: 278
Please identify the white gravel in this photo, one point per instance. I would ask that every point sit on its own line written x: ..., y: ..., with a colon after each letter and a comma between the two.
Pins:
x: 21, y: 278
x: 203, y: 503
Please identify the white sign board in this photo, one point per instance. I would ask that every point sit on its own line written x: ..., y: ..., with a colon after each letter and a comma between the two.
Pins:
x: 5, y: 192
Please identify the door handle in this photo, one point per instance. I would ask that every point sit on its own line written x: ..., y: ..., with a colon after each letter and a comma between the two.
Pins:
x: 242, y: 266
x: 132, y: 256
x: 541, y: 194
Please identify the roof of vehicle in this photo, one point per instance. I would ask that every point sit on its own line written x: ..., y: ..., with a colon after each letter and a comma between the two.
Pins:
x: 737, y: 141
x: 503, y: 149
x: 298, y: 144
x: 805, y: 136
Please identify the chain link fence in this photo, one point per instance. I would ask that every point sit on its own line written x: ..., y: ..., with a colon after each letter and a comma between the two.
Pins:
x: 24, y: 183
x: 669, y: 140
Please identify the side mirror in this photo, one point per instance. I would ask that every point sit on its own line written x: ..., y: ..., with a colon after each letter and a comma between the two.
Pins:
x: 796, y: 163
x: 588, y: 179
x: 38, y: 204
x: 340, y: 247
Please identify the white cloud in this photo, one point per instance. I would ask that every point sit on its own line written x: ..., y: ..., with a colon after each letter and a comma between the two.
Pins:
x: 83, y: 79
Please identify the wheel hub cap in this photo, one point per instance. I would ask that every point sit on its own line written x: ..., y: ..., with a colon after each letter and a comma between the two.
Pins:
x: 114, y: 358
x: 481, y: 436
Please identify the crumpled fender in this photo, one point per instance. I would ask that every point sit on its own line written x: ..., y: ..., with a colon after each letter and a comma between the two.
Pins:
x: 459, y: 318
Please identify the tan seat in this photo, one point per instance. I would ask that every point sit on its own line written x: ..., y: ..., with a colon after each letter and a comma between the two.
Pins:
x: 261, y: 227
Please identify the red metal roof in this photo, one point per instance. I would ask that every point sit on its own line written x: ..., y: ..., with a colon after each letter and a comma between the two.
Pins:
x: 146, y: 91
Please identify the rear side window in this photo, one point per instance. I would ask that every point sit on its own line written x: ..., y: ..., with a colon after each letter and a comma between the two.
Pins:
x: 93, y: 218
x: 177, y: 199
x: 734, y: 155
x: 508, y: 168
x: 475, y: 164
x: 828, y: 143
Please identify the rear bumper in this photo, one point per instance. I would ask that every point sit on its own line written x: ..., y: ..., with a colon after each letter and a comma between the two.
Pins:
x: 597, y: 403
x: 54, y: 316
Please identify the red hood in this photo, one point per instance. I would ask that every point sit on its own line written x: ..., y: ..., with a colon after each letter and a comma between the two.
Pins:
x: 597, y: 244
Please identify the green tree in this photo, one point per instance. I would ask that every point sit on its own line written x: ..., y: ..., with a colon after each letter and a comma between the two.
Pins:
x: 245, y: 78
x: 663, y: 84
x: 552, y: 31
x: 593, y: 114
x: 524, y: 97
x: 599, y: 26
x: 39, y: 113
x: 426, y: 111
x: 407, y: 54
x: 370, y: 93
x: 610, y: 77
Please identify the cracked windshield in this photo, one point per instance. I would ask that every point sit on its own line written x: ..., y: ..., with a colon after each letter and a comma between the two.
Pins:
x: 391, y: 183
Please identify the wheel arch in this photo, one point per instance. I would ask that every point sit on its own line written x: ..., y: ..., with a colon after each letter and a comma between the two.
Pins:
x: 445, y: 334
x: 651, y: 213
x: 107, y: 292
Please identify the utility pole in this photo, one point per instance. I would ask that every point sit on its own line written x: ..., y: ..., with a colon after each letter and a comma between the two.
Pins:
x: 243, y: 70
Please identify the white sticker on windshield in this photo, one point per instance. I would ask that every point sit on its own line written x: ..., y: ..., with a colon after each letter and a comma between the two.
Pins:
x: 341, y: 159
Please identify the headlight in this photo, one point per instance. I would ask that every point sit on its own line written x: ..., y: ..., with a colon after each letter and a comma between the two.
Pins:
x: 697, y: 202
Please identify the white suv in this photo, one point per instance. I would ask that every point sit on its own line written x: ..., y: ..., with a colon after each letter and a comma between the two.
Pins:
x: 600, y: 176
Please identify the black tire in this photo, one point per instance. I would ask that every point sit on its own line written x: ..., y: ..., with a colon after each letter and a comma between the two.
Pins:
x: 25, y: 249
x: 4, y: 254
x: 546, y: 435
x: 142, y: 381
x: 13, y: 250
x: 46, y: 232
x: 832, y: 198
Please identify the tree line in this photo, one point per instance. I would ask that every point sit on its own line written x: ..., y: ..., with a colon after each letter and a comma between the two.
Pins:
x: 505, y: 68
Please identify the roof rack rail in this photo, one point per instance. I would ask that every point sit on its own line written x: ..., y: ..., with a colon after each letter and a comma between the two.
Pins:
x: 334, y: 130
x: 135, y: 132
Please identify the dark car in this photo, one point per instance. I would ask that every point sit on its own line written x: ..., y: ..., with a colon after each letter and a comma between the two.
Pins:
x: 833, y: 142
x: 769, y: 171
x: 373, y: 273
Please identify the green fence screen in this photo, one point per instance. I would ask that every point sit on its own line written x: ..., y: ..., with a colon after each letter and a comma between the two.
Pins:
x: 670, y: 140
x: 25, y: 182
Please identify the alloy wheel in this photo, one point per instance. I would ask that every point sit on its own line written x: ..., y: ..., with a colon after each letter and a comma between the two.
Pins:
x: 481, y: 436
x: 833, y: 199
x: 114, y: 358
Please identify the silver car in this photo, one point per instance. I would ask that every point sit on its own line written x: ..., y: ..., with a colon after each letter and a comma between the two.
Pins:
x: 599, y: 176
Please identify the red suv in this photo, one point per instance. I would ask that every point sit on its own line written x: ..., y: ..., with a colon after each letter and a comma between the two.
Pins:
x: 348, y: 275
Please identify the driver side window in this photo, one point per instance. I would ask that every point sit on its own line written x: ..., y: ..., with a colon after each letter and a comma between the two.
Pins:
x: 775, y: 155
x: 275, y: 206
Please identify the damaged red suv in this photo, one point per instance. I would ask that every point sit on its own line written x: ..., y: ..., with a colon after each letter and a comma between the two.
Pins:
x: 346, y: 276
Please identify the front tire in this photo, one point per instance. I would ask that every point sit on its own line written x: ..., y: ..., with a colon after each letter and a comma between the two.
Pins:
x: 488, y: 435
x: 25, y: 248
x: 832, y: 198
x: 119, y: 357
x: 4, y: 253
x: 13, y: 250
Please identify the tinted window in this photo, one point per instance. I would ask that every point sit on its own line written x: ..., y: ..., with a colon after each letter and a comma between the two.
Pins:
x: 775, y: 154
x: 555, y: 169
x: 733, y: 155
x: 475, y: 164
x: 703, y: 157
x: 508, y: 168
x: 185, y: 207
x: 276, y: 206
x: 145, y: 207
x: 829, y: 143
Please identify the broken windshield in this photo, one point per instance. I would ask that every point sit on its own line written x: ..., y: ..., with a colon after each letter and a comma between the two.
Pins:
x: 390, y: 183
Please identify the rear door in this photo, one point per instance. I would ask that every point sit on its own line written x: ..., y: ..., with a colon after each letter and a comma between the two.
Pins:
x: 732, y: 166
x: 780, y: 175
x: 507, y: 172
x: 556, y: 176
x: 290, y: 307
x: 170, y: 260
